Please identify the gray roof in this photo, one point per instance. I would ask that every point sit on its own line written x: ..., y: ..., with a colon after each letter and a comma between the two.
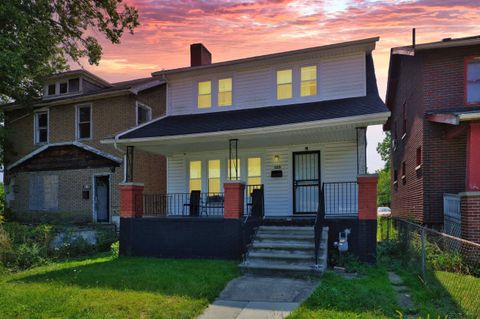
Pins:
x: 266, y: 116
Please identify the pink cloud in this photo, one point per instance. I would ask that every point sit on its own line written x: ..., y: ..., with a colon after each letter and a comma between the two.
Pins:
x: 235, y: 29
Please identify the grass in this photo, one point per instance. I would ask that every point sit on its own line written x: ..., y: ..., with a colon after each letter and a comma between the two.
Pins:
x: 368, y: 296
x: 108, y: 287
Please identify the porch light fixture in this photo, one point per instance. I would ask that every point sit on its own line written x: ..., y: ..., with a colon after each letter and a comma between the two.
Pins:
x: 276, y: 158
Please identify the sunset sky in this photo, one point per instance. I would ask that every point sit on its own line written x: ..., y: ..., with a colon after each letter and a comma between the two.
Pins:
x: 235, y: 29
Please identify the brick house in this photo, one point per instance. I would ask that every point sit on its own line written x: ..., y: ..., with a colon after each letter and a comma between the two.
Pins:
x: 275, y: 143
x: 434, y: 96
x: 56, y: 167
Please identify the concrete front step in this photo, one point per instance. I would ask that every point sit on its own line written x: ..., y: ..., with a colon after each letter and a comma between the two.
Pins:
x: 287, y: 229
x: 301, y: 269
x: 283, y: 236
x: 272, y: 254
x: 288, y: 245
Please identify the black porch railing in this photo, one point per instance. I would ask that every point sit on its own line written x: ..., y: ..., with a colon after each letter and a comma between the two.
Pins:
x: 319, y: 222
x: 193, y: 204
x: 340, y: 199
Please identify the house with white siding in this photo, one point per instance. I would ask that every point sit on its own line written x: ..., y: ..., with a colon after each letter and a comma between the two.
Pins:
x: 279, y: 139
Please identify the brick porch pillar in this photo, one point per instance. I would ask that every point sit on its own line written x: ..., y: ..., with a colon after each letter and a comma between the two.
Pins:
x: 470, y: 212
x: 234, y: 199
x: 367, y: 197
x: 131, y: 200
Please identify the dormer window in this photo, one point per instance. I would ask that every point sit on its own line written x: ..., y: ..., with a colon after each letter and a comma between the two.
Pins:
x: 284, y: 84
x: 308, y: 77
x: 51, y: 89
x: 144, y: 113
x: 204, y: 94
x: 63, y: 86
x: 225, y: 92
x: 74, y: 85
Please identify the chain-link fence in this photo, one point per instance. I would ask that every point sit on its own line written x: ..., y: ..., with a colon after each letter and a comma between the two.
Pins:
x: 452, y: 262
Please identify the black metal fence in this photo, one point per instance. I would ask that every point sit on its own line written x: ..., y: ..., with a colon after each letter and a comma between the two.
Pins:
x: 183, y: 204
x: 249, y: 197
x: 341, y: 199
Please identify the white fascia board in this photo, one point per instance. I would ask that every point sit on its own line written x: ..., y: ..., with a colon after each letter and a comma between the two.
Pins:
x: 372, y: 119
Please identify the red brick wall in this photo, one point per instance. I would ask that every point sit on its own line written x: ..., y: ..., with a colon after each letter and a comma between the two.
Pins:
x: 470, y: 208
x: 407, y: 194
x: 430, y: 80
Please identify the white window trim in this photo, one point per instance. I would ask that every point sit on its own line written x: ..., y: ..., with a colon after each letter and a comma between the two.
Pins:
x: 218, y: 92
x: 300, y: 80
x: 145, y: 106
x: 77, y: 118
x: 213, y: 97
x: 35, y: 127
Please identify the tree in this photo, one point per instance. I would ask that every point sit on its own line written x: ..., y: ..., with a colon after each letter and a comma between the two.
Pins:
x: 383, y: 187
x: 37, y: 37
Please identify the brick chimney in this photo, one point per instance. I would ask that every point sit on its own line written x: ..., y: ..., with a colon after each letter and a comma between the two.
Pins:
x: 199, y: 55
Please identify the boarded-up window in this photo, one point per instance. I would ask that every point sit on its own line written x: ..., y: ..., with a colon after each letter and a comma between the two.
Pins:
x: 43, y: 193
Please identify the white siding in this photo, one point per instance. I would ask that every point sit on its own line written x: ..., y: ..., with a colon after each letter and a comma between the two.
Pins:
x: 338, y: 77
x: 338, y: 164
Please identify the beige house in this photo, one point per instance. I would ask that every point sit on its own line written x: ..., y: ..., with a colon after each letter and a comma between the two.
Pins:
x: 56, y: 167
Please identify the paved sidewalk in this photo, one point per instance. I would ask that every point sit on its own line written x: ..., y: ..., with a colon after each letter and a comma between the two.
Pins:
x: 260, y: 297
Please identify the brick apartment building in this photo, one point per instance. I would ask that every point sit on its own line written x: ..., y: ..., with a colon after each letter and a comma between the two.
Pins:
x: 56, y: 166
x: 434, y: 95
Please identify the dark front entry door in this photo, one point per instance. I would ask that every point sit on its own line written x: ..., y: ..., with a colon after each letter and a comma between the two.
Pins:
x: 102, y: 198
x: 306, y: 182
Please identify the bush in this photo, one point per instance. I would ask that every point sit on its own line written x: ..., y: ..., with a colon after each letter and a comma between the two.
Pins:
x: 5, y: 243
x: 115, y: 249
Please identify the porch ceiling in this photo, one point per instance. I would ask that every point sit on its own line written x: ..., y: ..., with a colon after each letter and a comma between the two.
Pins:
x: 250, y: 139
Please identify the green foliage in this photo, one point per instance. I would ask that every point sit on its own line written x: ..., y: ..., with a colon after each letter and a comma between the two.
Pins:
x: 107, y: 287
x: 115, y: 249
x: 38, y: 36
x: 384, y: 149
x: 383, y: 188
x: 28, y: 246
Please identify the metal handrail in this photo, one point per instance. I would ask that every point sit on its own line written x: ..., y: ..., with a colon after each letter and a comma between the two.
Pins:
x: 319, y: 221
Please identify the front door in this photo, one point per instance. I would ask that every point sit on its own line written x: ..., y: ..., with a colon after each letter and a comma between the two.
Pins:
x: 306, y: 182
x: 102, y: 198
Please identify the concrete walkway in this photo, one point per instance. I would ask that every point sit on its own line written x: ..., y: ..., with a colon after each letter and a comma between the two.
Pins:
x: 259, y: 297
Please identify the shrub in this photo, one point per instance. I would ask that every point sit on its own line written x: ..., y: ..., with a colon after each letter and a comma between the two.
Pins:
x: 5, y: 243
x: 115, y: 249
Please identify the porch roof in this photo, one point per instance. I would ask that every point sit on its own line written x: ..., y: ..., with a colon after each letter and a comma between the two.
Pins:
x: 270, y: 116
x: 454, y: 116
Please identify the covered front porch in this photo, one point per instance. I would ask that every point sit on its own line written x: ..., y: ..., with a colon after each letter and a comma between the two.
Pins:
x: 286, y: 171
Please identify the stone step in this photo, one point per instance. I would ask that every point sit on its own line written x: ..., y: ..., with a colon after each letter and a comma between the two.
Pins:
x: 261, y: 267
x: 269, y: 254
x: 287, y: 245
x: 287, y: 228
x: 284, y: 236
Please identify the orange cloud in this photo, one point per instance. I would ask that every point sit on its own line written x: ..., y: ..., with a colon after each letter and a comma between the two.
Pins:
x: 234, y: 29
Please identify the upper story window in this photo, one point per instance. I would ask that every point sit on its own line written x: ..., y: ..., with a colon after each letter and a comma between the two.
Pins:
x: 52, y: 89
x: 473, y: 81
x: 225, y: 92
x: 74, y: 85
x: 84, y: 121
x: 41, y: 127
x: 195, y: 175
x: 308, y: 78
x: 144, y: 113
x: 204, y: 94
x: 63, y: 87
x: 419, y: 157
x: 404, y: 122
x: 284, y: 84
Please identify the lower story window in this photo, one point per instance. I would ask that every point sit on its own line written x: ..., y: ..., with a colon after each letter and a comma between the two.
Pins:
x: 195, y: 175
x: 234, y: 169
x: 43, y: 193
x: 254, y: 171
x: 214, y: 176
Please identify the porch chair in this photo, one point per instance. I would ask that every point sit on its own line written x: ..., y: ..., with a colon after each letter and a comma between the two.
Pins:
x: 193, y: 204
x: 212, y: 202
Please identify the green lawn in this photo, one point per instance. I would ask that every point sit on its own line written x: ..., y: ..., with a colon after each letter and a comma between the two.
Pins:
x: 108, y: 287
x: 369, y: 296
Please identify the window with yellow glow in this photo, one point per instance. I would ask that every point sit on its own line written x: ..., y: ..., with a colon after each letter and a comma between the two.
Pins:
x: 254, y: 171
x: 284, y: 84
x: 204, y: 94
x: 225, y: 92
x: 308, y: 77
x: 214, y: 176
x: 195, y: 175
x: 234, y: 169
